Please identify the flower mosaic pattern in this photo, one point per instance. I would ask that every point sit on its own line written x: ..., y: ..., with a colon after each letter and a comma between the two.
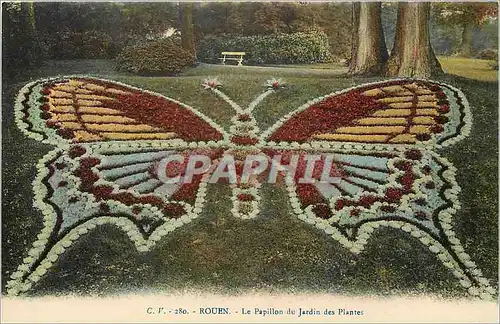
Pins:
x: 109, y: 137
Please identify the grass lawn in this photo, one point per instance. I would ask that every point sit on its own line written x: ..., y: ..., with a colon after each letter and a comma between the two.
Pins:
x: 469, y: 68
x: 275, y: 251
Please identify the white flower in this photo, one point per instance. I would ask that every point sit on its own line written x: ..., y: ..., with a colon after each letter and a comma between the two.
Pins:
x: 274, y: 84
x: 434, y: 248
x: 448, y: 264
x: 465, y: 283
x: 425, y: 240
x: 211, y: 83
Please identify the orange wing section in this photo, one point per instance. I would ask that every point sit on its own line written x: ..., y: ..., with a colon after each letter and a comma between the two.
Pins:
x: 402, y: 111
x: 88, y: 110
x: 410, y: 112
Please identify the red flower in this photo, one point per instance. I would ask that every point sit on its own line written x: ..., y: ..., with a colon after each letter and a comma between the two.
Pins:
x: 52, y: 124
x: 326, y: 115
x: 322, y: 211
x: 245, y: 197
x: 430, y: 185
x: 89, y: 162
x: 413, y: 154
x: 435, y: 88
x: 393, y: 194
x: 104, y: 208
x: 174, y: 210
x: 102, y: 192
x: 444, y: 109
x: 339, y: 204
x: 309, y: 195
x: 45, y: 115
x: 187, y: 192
x: 441, y: 119
x: 244, y: 117
x: 164, y: 114
x: 243, y: 140
x: 354, y: 212
x: 437, y: 129
x: 403, y: 165
x: 407, y: 181
x: 440, y: 95
x: 387, y: 209
x: 423, y: 137
x: 76, y: 151
x: 65, y: 133
x: 367, y: 201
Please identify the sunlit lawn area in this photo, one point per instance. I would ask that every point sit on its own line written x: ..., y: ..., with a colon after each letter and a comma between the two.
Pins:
x: 469, y: 68
x: 276, y: 251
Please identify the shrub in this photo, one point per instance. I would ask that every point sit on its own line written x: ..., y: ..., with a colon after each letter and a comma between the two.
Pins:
x: 157, y: 57
x: 295, y: 48
x: 488, y: 54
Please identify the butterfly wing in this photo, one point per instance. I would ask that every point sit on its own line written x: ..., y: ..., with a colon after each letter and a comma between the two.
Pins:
x: 414, y: 112
x: 381, y: 138
x: 89, y: 185
x: 414, y: 191
x: 111, y: 139
x: 78, y: 110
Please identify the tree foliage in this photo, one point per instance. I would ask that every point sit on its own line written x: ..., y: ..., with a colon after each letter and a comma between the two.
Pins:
x: 460, y: 13
x: 469, y: 16
x: 247, y: 19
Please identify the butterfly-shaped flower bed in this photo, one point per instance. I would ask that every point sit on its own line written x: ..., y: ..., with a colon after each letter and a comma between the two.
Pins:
x: 115, y: 146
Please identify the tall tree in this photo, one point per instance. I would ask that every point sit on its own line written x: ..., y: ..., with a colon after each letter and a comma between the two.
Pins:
x: 20, y: 44
x: 412, y: 53
x: 187, y: 30
x: 469, y: 16
x: 369, y: 52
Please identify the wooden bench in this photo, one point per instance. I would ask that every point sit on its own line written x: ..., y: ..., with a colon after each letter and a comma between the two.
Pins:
x: 232, y: 56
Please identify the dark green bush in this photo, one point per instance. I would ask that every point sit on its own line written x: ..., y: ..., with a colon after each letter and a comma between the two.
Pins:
x: 294, y: 48
x: 488, y: 54
x: 158, y: 57
x: 89, y: 44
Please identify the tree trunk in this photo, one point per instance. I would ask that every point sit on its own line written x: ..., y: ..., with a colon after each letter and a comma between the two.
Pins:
x: 187, y: 32
x: 369, y: 52
x: 354, y: 33
x: 412, y: 54
x: 465, y: 48
x: 30, y: 43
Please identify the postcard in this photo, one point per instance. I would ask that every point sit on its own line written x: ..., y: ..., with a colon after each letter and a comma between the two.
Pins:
x: 221, y: 162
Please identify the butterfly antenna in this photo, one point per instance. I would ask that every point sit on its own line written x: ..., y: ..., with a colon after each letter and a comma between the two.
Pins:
x: 272, y: 86
x: 257, y: 101
x: 213, y: 85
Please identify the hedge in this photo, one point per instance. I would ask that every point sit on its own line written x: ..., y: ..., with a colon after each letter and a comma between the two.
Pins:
x: 295, y: 48
x: 89, y: 44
